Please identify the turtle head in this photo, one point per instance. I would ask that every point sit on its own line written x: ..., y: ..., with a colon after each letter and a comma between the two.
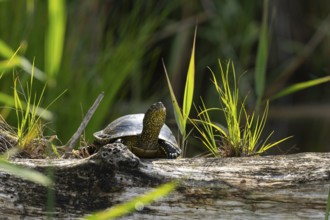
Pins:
x: 153, y: 121
x: 155, y: 116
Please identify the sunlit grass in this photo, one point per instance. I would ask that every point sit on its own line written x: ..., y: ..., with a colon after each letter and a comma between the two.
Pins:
x: 12, y: 60
x: 244, y: 131
x: 209, y: 131
x: 28, y: 123
x: 28, y: 115
x: 181, y: 116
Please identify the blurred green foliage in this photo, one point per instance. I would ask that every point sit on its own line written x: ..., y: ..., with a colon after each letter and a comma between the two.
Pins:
x: 135, y: 204
x: 117, y: 47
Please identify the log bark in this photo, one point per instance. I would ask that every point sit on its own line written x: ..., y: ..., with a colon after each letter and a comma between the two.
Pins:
x: 270, y: 187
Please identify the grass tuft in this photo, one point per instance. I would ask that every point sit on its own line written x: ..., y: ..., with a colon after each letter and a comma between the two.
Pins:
x: 28, y: 122
x: 243, y: 134
x: 29, y: 117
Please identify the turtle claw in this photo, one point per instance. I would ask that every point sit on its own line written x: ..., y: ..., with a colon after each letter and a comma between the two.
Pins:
x: 170, y: 151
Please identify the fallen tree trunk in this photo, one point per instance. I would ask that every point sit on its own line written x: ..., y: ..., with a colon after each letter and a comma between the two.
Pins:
x: 271, y: 187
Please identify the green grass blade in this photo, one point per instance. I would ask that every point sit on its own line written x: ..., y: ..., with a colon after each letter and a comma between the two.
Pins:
x: 16, y: 60
x: 134, y: 204
x: 300, y: 86
x: 262, y: 56
x: 189, y: 87
x: 42, y: 112
x: 25, y: 173
x: 219, y: 128
x: 18, y: 110
x: 177, y: 112
x: 54, y: 149
x: 9, y: 64
x: 207, y: 137
x: 55, y: 36
x: 266, y: 147
x: 257, y: 129
x: 5, y: 50
x: 27, y: 67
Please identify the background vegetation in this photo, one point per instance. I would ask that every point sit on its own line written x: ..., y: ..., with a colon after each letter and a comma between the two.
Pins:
x: 117, y: 47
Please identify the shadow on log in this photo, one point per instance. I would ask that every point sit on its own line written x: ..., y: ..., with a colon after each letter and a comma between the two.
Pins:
x: 271, y: 187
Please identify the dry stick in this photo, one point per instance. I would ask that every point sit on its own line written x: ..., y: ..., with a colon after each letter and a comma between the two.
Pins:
x: 75, y: 137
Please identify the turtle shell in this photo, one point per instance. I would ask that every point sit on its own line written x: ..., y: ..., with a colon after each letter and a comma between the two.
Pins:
x: 130, y: 125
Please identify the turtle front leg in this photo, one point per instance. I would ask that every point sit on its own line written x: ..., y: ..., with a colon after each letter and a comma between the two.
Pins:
x: 170, y: 151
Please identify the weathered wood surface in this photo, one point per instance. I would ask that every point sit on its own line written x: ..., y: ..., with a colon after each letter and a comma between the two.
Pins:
x: 271, y: 187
